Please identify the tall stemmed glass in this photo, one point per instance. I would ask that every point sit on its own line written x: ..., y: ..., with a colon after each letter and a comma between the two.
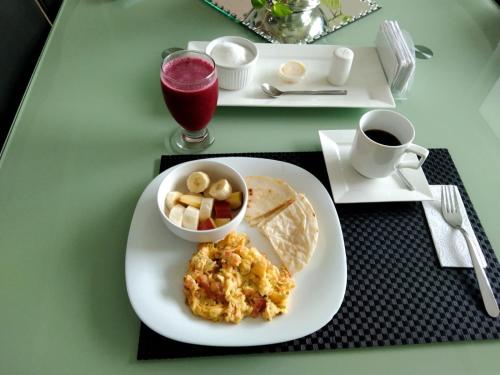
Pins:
x: 190, y: 89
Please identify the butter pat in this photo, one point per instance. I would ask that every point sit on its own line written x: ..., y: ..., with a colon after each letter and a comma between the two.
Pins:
x: 292, y: 71
x: 340, y: 67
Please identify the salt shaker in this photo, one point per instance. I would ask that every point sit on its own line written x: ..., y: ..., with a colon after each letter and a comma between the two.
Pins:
x: 340, y: 66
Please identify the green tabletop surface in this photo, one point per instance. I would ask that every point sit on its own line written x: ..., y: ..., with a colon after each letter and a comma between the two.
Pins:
x: 88, y: 137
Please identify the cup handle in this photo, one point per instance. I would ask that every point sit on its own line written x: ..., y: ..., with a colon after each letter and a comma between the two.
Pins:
x: 419, y: 151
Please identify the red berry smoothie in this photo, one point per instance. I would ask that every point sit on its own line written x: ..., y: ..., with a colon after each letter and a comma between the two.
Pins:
x: 190, y: 90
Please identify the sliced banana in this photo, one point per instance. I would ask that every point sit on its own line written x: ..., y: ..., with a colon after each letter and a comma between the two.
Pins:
x: 190, y: 200
x: 206, y: 208
x: 190, y: 218
x: 197, y: 182
x: 221, y: 190
x: 176, y: 214
x: 172, y: 199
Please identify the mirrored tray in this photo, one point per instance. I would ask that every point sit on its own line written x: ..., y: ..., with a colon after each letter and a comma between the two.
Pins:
x: 310, y: 20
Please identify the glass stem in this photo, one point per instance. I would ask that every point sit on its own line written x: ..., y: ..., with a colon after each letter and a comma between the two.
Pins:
x: 196, y: 136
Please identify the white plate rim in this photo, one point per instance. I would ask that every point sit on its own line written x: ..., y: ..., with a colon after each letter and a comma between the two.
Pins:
x: 340, y: 274
x: 330, y: 140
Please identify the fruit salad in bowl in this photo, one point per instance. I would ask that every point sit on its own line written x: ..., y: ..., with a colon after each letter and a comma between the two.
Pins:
x: 202, y: 200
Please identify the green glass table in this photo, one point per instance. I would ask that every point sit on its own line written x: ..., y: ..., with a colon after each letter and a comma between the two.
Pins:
x: 87, y: 140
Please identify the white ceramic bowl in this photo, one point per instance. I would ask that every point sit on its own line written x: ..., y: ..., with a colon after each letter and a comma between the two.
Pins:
x: 175, y: 180
x: 234, y: 77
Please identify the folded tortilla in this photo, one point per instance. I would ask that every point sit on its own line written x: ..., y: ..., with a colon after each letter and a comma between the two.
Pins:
x: 293, y: 233
x: 266, y: 196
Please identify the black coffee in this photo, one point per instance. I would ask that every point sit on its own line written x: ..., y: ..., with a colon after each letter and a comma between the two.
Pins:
x: 383, y: 137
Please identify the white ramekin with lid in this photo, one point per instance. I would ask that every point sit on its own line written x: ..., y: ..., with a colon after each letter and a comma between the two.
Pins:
x: 234, y: 76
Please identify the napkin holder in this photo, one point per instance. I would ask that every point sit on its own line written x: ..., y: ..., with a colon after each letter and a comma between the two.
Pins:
x: 390, y: 65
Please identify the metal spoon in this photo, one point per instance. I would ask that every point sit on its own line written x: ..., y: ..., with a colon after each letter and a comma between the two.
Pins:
x: 275, y: 92
x: 405, y: 181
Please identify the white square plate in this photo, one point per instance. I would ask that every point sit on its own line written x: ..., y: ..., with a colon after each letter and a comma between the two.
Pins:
x: 348, y: 186
x: 156, y: 261
x: 366, y: 87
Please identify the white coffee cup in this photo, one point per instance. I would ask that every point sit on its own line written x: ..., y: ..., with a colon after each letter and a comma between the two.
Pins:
x: 379, y: 159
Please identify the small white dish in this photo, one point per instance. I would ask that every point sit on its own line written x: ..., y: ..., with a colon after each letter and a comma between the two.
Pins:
x: 175, y: 180
x: 234, y: 76
x: 292, y: 71
x: 348, y: 186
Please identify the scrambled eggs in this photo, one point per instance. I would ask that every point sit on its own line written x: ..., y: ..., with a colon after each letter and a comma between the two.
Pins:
x: 228, y: 280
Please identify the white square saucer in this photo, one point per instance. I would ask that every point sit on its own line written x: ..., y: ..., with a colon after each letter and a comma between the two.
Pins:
x: 348, y: 186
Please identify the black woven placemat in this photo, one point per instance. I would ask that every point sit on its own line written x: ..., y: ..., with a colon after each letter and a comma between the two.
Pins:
x: 397, y: 293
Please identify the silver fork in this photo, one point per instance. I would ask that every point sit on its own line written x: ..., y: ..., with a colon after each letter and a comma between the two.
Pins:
x: 453, y: 216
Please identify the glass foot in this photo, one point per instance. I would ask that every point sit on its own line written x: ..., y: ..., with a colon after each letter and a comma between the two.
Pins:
x: 186, y: 142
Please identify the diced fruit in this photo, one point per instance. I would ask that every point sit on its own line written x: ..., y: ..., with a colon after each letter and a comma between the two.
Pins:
x: 206, y: 208
x: 220, y: 190
x: 172, y: 198
x: 176, y: 214
x: 235, y: 200
x: 190, y: 200
x: 197, y: 182
x: 222, y: 210
x: 221, y: 221
x: 190, y: 218
x: 206, y: 224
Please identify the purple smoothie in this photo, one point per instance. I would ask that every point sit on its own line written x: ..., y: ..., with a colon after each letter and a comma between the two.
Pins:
x: 190, y: 90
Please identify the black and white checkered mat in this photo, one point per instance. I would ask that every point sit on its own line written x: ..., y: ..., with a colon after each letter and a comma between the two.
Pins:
x: 396, y: 291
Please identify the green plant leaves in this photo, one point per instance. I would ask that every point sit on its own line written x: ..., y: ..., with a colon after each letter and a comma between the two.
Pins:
x: 332, y: 4
x: 257, y: 4
x: 280, y: 10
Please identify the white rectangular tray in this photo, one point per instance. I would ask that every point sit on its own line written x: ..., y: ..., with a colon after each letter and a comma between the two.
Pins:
x: 367, y: 86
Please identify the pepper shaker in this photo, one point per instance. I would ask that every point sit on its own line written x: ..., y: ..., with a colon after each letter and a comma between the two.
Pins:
x: 340, y: 66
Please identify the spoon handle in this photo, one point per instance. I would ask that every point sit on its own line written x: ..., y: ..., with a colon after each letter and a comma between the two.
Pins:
x: 315, y: 92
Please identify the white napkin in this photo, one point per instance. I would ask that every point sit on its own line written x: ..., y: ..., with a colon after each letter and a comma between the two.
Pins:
x: 449, y: 242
